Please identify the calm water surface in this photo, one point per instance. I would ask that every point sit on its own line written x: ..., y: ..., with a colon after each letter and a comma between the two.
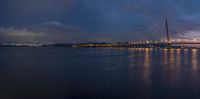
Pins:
x: 68, y: 73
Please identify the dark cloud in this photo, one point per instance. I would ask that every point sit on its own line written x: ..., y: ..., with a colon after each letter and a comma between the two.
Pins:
x: 96, y: 20
x: 50, y: 32
x: 8, y: 35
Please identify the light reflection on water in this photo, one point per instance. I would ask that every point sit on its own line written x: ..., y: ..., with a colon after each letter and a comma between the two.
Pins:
x: 194, y: 61
x: 67, y: 73
x: 147, y: 64
x: 172, y: 67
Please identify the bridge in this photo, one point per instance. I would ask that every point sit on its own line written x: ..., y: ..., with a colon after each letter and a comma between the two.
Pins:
x: 168, y: 43
x: 139, y: 44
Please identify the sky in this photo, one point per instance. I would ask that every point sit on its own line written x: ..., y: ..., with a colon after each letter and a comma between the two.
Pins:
x: 73, y: 21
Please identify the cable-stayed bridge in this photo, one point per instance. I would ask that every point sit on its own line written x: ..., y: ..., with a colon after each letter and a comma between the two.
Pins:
x: 168, y: 43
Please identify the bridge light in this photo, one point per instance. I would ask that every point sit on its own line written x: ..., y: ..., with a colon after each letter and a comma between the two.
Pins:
x: 194, y: 50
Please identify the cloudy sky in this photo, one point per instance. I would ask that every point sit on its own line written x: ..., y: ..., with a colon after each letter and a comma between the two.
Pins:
x: 68, y: 21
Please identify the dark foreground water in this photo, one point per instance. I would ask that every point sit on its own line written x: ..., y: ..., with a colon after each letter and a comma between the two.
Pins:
x: 67, y: 73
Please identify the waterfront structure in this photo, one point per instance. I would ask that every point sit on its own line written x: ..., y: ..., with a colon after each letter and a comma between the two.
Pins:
x: 168, y: 43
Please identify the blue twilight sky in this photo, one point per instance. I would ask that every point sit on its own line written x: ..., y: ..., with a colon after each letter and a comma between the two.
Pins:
x: 56, y: 21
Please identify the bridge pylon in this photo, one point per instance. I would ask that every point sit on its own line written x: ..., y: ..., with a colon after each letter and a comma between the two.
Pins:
x: 167, y: 32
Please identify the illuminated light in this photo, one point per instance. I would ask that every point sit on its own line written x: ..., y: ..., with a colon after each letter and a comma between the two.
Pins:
x: 194, y: 62
x: 165, y: 55
x: 147, y: 66
x: 178, y: 59
x: 194, y: 50
x: 178, y: 49
x: 165, y: 49
x: 185, y: 49
x: 146, y: 49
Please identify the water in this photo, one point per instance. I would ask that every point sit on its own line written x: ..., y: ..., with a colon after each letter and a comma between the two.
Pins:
x: 68, y: 73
